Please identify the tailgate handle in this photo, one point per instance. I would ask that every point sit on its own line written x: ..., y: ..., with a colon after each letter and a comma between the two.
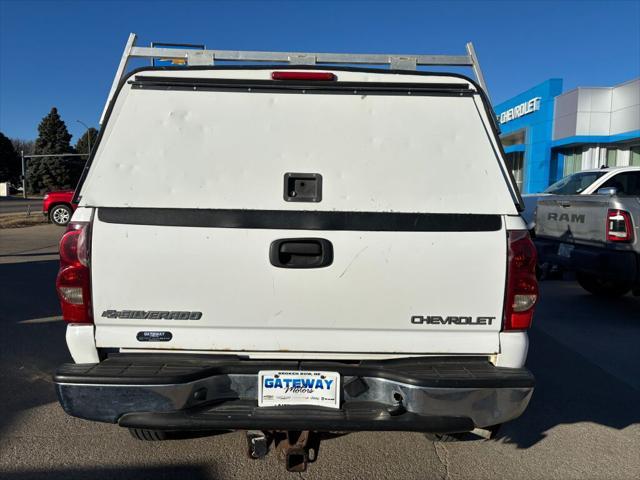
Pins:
x: 301, y: 253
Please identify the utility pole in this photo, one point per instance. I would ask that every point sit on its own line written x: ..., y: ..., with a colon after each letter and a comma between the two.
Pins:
x: 24, y: 176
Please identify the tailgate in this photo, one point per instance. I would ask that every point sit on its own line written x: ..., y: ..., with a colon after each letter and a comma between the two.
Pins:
x: 194, y: 185
x: 410, y: 292
x: 573, y: 218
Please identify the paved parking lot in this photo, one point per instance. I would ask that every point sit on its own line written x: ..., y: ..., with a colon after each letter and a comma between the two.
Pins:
x: 583, y: 420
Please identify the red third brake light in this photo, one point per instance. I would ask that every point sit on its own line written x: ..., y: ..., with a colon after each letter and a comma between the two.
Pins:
x: 522, y: 284
x: 314, y: 76
x: 73, y: 280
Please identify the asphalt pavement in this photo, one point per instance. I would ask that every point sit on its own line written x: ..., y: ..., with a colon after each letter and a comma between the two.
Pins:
x: 20, y: 205
x: 583, y: 421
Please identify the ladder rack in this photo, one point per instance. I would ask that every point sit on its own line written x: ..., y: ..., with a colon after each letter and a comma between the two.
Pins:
x: 209, y: 57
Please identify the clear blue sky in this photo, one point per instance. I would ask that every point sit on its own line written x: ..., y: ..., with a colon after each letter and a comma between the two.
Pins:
x: 65, y: 53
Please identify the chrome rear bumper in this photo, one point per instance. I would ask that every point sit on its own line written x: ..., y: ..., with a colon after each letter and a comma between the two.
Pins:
x: 413, y: 394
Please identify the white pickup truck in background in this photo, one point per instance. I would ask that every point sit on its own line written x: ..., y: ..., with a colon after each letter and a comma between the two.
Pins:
x: 595, y: 235
x: 585, y: 182
x: 293, y: 250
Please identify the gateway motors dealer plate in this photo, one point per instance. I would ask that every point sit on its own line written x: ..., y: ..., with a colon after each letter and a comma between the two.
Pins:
x: 278, y: 388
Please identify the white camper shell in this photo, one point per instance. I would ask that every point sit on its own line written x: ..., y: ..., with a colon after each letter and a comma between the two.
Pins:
x: 267, y: 216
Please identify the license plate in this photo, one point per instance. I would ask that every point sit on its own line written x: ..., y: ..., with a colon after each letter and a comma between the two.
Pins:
x: 277, y: 388
x: 564, y: 250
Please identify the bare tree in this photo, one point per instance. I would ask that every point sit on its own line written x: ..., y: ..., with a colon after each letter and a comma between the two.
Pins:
x: 28, y: 146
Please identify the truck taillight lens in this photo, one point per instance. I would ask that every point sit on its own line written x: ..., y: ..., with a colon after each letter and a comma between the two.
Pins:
x: 619, y: 227
x: 522, y: 284
x: 73, y: 280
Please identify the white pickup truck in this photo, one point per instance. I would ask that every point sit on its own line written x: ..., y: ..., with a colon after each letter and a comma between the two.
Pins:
x: 291, y: 250
x: 595, y: 235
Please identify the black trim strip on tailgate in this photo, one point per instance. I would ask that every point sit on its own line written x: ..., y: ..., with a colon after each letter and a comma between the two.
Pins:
x: 317, y: 87
x: 302, y: 220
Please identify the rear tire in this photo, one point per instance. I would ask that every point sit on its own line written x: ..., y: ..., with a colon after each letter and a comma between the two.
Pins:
x: 602, y: 288
x: 60, y: 215
x: 148, y: 435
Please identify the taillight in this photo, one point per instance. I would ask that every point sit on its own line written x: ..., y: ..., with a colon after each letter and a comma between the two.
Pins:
x: 619, y: 227
x: 73, y: 280
x: 522, y: 284
x: 313, y: 76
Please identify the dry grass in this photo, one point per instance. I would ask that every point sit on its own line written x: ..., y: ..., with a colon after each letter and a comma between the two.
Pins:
x: 19, y: 220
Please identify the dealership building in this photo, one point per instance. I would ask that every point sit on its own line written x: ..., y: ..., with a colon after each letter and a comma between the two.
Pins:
x: 548, y: 134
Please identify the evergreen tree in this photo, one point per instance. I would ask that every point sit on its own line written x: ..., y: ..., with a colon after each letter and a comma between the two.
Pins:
x: 44, y: 174
x: 83, y: 143
x: 10, y: 167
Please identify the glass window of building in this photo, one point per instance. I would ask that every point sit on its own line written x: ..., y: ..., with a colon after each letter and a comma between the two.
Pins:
x: 515, y: 161
x: 634, y: 156
x: 572, y: 161
x: 513, y: 138
x: 612, y: 155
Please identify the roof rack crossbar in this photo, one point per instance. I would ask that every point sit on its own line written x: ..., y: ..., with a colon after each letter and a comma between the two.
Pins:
x: 209, y: 57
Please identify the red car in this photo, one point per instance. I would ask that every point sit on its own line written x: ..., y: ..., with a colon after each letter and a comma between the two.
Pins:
x: 58, y: 206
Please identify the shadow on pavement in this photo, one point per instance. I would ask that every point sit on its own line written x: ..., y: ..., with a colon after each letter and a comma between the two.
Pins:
x: 28, y: 290
x: 190, y: 472
x: 30, y: 352
x: 570, y: 387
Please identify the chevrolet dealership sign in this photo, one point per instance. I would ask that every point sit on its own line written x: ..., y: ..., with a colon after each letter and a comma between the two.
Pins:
x: 518, y: 111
